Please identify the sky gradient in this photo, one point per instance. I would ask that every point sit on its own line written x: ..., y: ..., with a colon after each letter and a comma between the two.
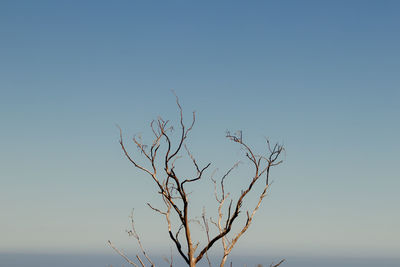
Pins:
x: 321, y: 77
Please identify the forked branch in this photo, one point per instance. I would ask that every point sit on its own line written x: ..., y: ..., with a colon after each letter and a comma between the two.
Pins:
x: 262, y: 165
x: 160, y: 166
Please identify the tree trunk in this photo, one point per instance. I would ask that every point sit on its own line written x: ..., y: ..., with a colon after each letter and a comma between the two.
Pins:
x: 192, y: 262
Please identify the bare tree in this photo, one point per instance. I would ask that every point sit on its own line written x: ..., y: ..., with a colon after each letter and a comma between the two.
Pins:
x: 173, y: 190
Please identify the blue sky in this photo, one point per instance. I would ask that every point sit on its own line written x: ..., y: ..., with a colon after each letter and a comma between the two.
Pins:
x: 319, y: 76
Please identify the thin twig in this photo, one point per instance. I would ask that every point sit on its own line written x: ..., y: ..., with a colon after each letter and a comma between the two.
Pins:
x: 122, y: 254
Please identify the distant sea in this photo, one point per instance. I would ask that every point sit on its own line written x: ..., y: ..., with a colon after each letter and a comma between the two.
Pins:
x: 106, y: 260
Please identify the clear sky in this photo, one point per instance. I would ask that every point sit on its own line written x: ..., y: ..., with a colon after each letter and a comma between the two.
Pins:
x: 322, y: 77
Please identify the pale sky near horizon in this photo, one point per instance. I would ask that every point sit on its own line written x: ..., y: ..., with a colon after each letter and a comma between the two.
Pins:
x: 321, y: 77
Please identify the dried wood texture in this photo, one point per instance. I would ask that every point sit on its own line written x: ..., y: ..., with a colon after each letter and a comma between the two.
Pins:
x: 174, y: 194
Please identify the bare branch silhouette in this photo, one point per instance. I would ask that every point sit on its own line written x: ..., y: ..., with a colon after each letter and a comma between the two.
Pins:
x: 161, y: 167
